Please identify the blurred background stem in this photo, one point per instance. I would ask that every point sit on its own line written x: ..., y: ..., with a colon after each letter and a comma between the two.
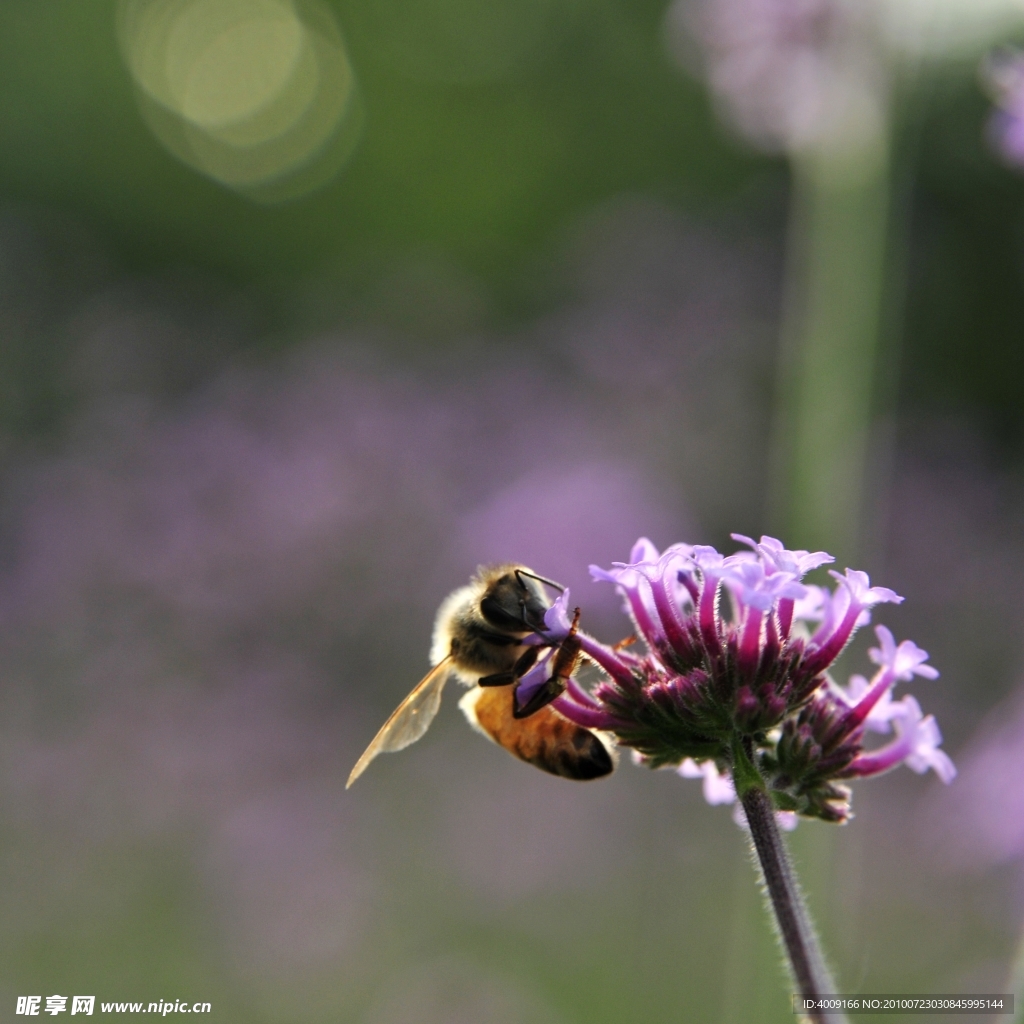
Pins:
x: 835, y: 278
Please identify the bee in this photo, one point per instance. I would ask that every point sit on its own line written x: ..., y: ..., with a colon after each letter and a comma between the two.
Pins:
x: 478, y: 638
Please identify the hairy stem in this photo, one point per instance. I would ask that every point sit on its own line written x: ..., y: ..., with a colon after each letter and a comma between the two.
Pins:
x: 795, y: 929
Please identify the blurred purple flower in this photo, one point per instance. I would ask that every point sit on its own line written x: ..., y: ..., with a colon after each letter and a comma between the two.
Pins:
x: 718, y: 787
x: 577, y: 509
x: 788, y: 74
x: 786, y: 820
x: 980, y: 824
x: 1003, y: 75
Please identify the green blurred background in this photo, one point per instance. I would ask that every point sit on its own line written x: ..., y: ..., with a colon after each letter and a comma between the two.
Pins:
x: 247, y: 447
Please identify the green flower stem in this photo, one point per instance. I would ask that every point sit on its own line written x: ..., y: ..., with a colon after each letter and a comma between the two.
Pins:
x: 794, y: 924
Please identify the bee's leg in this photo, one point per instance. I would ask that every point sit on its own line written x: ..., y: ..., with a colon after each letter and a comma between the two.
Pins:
x: 497, y: 679
x: 553, y: 688
x: 525, y: 662
x: 563, y: 664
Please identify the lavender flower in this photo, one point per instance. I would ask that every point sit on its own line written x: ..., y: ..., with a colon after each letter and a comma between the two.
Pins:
x: 743, y: 697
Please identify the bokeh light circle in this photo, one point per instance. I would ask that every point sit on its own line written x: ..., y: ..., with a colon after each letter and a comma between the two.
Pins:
x: 257, y: 94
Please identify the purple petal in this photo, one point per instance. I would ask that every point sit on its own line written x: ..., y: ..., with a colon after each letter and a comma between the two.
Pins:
x: 753, y: 587
x: 533, y: 681
x: 862, y: 592
x: 707, y: 559
x: 776, y: 558
x: 904, y: 661
x: 557, y: 619
x: 812, y: 606
x: 643, y: 551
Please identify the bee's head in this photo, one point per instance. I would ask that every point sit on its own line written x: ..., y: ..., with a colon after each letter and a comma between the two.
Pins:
x: 514, y: 600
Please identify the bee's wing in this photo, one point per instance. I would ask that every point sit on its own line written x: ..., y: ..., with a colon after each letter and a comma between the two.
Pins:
x: 409, y: 721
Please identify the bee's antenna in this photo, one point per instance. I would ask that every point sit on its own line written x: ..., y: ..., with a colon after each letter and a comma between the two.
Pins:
x: 540, y: 579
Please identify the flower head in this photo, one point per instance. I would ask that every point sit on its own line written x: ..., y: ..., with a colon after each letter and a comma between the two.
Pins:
x: 722, y: 680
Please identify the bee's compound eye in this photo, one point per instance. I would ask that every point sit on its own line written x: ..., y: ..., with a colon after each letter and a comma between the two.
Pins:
x: 533, y: 612
x: 499, y: 614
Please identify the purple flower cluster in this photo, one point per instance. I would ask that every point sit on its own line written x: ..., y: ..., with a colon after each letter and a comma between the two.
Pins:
x: 735, y: 673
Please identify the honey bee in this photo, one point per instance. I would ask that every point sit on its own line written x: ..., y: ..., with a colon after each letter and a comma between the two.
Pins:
x: 478, y: 638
